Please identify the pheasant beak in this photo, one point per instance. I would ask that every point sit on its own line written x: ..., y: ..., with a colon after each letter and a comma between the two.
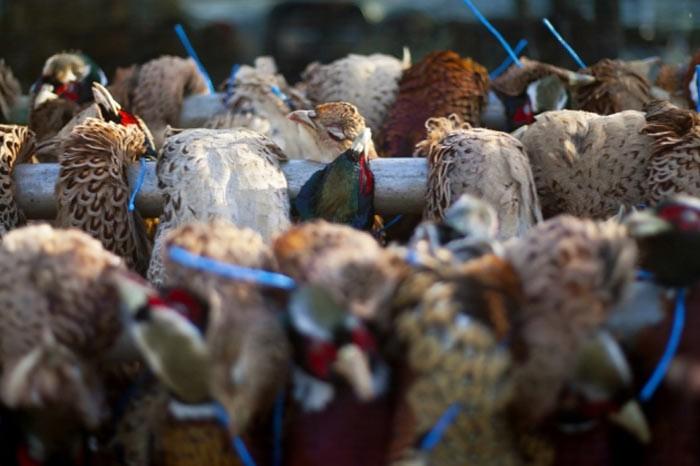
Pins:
x: 362, y: 141
x: 645, y: 223
x: 353, y: 365
x: 631, y: 418
x: 303, y: 117
x: 132, y: 293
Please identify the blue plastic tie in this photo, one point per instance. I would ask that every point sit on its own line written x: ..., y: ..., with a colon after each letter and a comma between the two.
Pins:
x: 507, y: 62
x: 433, y: 437
x: 278, y: 92
x: 392, y: 222
x: 232, y: 271
x: 277, y: 425
x: 645, y: 275
x: 139, y: 184
x: 237, y: 442
x: 671, y: 347
x: 697, y: 86
x: 566, y: 46
x: 493, y: 31
x: 180, y: 31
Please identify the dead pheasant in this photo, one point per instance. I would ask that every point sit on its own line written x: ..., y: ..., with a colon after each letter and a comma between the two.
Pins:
x: 156, y: 89
x: 16, y: 146
x: 369, y: 82
x: 233, y: 175
x: 60, y: 328
x: 617, y: 87
x: 10, y: 92
x: 93, y: 190
x: 484, y: 163
x: 441, y: 84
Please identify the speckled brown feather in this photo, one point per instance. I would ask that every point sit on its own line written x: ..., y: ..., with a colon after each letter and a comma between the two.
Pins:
x: 515, y: 80
x: 674, y: 167
x: 247, y: 346
x: 617, y: 88
x: 573, y: 272
x: 488, y: 164
x: 93, y: 190
x: 16, y: 146
x: 10, y: 90
x: 586, y: 164
x: 347, y: 262
x: 60, y: 316
x: 48, y: 118
x: 439, y: 85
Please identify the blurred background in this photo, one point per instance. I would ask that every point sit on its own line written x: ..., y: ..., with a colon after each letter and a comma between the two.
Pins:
x: 224, y: 32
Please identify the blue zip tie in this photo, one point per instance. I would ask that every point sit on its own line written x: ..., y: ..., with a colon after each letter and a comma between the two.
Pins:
x: 237, y: 442
x: 278, y: 92
x: 507, y: 62
x: 180, y: 31
x: 645, y: 275
x: 566, y: 46
x: 433, y: 437
x: 392, y: 222
x: 277, y: 425
x: 493, y: 31
x: 671, y: 347
x: 139, y: 184
x: 697, y: 86
x: 232, y: 271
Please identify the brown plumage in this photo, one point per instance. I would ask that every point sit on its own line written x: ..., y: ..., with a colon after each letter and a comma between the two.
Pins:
x: 16, y: 146
x: 588, y: 165
x: 60, y: 323
x: 156, y: 89
x: 48, y: 118
x: 439, y: 85
x: 674, y: 167
x: 93, y: 190
x: 10, y: 91
x: 348, y: 263
x: 488, y: 164
x: 515, y: 80
x: 617, y: 88
x: 573, y: 272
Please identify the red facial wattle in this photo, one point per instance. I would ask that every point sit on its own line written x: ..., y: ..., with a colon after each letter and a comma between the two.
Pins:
x: 67, y: 91
x: 363, y: 339
x: 366, y: 177
x: 126, y: 118
x: 184, y: 303
x: 320, y: 357
x: 683, y: 218
x: 523, y: 114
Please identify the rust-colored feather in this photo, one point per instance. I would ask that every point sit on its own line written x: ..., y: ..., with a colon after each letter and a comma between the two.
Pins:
x: 439, y: 85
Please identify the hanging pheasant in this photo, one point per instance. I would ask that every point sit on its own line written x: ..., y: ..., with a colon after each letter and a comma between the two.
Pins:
x: 16, y: 146
x: 343, y: 191
x: 484, y: 163
x: 93, y: 190
x: 617, y: 87
x: 368, y: 81
x: 10, y: 92
x: 439, y: 85
x: 233, y: 175
x: 61, y: 330
x: 156, y: 89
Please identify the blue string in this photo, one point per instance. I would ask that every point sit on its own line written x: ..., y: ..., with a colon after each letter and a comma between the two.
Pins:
x: 392, y: 222
x: 566, y: 46
x: 278, y: 92
x: 433, y: 437
x: 671, y: 347
x: 237, y: 442
x: 506, y: 63
x: 277, y: 419
x: 645, y: 275
x: 232, y: 271
x: 697, y: 86
x: 493, y: 31
x: 180, y: 31
x: 139, y: 184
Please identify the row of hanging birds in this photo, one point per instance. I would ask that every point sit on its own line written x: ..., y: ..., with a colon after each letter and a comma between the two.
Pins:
x: 503, y: 326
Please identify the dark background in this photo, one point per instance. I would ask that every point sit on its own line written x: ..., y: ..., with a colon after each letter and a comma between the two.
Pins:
x: 121, y: 32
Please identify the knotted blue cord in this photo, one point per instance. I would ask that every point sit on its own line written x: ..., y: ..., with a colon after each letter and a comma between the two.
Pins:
x: 237, y: 442
x: 433, y: 437
x: 697, y: 86
x: 671, y: 347
x: 566, y: 46
x: 232, y: 271
x: 493, y: 31
x: 139, y: 184
x: 278, y: 417
x: 507, y: 62
x: 180, y: 31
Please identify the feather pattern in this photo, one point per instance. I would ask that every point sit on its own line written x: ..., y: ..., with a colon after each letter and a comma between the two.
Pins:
x: 487, y: 164
x: 439, y: 85
x: 228, y: 174
x: 16, y: 146
x: 617, y: 88
x: 10, y: 90
x: 93, y: 190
